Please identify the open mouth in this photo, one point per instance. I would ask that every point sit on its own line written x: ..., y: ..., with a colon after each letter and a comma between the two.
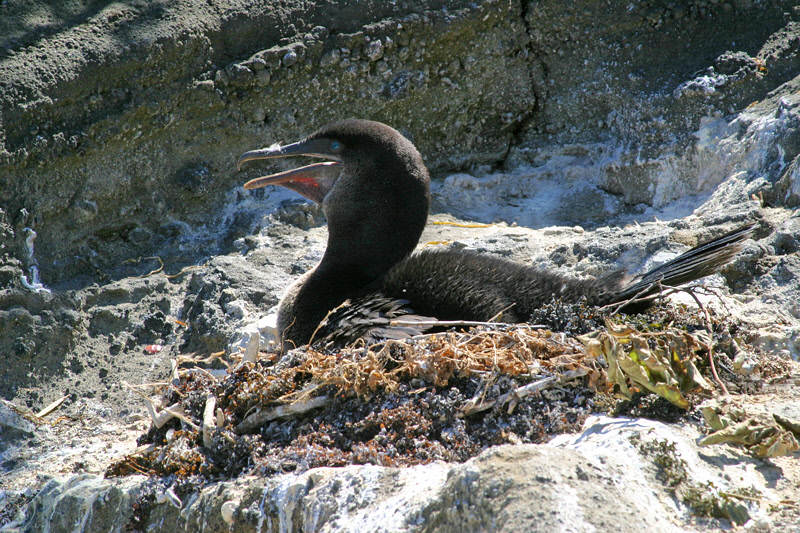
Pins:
x: 313, y: 181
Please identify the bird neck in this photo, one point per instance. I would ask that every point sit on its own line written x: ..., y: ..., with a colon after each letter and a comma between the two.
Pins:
x: 308, y: 301
x: 365, y: 258
x: 353, y: 262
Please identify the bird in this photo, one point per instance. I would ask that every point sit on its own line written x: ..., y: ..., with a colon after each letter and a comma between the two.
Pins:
x: 374, y: 190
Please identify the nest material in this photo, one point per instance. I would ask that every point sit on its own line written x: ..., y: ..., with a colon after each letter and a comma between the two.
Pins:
x: 444, y: 396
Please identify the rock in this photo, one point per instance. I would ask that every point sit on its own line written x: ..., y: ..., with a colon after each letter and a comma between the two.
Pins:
x: 577, y: 482
x: 246, y: 342
x: 582, y: 136
x: 12, y: 426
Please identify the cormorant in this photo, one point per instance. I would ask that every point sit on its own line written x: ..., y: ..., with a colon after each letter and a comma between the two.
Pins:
x: 375, y: 193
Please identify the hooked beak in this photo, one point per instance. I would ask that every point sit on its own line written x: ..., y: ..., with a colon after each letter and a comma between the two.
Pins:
x: 312, y: 181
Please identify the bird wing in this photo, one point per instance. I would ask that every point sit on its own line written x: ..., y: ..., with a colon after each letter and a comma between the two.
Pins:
x: 373, y: 318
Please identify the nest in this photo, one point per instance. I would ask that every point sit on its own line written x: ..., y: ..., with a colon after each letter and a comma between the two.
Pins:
x: 444, y: 396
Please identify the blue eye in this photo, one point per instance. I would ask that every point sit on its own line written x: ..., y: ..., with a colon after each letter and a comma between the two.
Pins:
x: 336, y: 146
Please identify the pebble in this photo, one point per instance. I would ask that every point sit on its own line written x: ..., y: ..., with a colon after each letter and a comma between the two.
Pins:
x: 289, y: 59
x: 374, y: 50
x: 258, y: 63
x: 329, y: 58
x: 228, y: 509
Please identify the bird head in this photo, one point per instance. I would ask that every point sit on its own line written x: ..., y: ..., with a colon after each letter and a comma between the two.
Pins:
x: 374, y: 189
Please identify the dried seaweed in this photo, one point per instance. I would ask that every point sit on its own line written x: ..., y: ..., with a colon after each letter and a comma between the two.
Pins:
x: 444, y: 396
x: 662, y: 362
x: 439, y: 397
x: 761, y: 437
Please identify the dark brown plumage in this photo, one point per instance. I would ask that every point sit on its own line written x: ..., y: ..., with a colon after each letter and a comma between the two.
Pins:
x: 375, y: 195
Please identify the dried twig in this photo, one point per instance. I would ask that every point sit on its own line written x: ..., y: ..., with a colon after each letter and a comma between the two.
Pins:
x: 496, y: 317
x: 209, y: 421
x: 156, y: 271
x: 443, y: 323
x: 460, y: 224
x: 637, y: 298
x: 165, y: 415
x: 282, y: 411
x: 477, y: 404
x: 52, y: 407
x: 710, y: 345
x: 185, y: 270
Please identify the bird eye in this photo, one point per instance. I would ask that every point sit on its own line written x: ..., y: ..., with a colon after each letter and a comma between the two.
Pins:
x: 336, y: 146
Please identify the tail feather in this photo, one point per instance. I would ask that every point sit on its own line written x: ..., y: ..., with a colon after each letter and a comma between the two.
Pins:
x: 699, y: 262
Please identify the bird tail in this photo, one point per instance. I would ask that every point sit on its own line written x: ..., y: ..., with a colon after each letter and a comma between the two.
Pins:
x: 699, y: 262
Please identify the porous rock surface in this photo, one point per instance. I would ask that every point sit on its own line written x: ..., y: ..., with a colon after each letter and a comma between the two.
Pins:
x: 594, y: 481
x: 596, y: 134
